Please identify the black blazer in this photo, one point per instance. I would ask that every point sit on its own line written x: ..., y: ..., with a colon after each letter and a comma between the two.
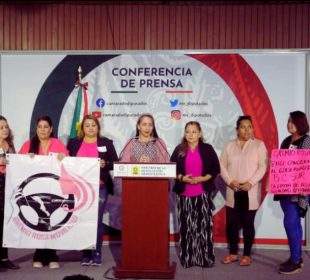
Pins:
x: 210, y: 165
x: 109, y: 155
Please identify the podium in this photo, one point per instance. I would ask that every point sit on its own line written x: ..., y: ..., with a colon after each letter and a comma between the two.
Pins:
x: 145, y: 220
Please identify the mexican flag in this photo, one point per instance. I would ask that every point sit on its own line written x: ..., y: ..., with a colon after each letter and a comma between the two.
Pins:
x: 81, y: 108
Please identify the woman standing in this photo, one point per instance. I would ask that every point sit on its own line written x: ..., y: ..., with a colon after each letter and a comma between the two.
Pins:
x: 146, y: 146
x: 6, y: 146
x: 43, y: 143
x: 197, y: 166
x: 91, y: 144
x: 298, y: 127
x: 243, y: 165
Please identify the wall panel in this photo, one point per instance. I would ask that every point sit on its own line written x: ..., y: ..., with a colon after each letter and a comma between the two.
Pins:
x: 148, y: 25
x: 172, y: 29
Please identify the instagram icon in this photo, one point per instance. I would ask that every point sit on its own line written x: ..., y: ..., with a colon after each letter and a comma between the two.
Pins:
x: 175, y: 115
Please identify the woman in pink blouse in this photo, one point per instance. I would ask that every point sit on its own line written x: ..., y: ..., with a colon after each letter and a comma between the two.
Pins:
x: 90, y: 143
x: 243, y: 165
x: 197, y: 167
x: 43, y: 143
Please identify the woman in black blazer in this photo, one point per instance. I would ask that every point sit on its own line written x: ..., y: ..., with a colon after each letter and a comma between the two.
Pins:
x: 91, y: 144
x: 197, y: 167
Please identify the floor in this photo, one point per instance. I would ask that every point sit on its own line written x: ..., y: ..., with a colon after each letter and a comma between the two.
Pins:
x: 264, y: 266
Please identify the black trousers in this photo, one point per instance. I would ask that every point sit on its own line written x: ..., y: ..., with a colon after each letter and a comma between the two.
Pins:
x: 3, y: 251
x: 240, y: 217
x: 45, y: 256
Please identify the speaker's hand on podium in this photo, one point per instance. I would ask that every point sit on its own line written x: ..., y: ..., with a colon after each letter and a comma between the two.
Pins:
x: 144, y: 158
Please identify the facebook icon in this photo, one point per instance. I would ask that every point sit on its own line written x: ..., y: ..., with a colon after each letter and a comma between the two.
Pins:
x: 100, y: 102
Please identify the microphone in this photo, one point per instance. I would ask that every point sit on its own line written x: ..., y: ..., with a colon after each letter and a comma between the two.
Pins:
x: 123, y: 150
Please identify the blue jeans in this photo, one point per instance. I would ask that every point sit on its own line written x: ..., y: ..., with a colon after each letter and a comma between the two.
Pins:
x: 292, y: 225
x: 103, y: 195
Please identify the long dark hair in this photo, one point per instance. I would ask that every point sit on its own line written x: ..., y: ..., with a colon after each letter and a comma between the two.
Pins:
x: 89, y: 117
x: 154, y: 133
x: 184, y: 144
x: 10, y: 137
x: 299, y: 119
x: 35, y: 141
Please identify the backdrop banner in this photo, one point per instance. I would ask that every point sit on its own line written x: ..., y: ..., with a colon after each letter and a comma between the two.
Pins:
x: 213, y: 88
x: 51, y: 203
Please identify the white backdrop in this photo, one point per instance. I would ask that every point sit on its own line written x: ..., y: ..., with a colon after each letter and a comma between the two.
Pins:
x: 212, y: 102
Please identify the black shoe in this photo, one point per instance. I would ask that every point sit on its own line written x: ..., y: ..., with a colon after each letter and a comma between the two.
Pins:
x: 301, y: 262
x: 290, y: 268
x: 8, y: 264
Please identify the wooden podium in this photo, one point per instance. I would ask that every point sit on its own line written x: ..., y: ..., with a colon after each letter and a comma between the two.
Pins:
x: 145, y: 221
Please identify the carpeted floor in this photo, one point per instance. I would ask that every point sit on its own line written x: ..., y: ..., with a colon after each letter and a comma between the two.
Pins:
x: 264, y: 266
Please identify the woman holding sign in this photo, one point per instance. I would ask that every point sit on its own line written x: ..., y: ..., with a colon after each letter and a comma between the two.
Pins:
x: 43, y: 143
x: 90, y: 144
x: 6, y: 146
x: 243, y: 165
x: 294, y: 206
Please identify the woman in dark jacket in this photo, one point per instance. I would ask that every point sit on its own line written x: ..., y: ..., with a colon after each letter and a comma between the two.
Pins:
x: 91, y: 144
x: 197, y: 166
x: 298, y: 127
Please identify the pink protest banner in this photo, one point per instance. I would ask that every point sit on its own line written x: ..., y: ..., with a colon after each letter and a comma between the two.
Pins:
x: 290, y: 171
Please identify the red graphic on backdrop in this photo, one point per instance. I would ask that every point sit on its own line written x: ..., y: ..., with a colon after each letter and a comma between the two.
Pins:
x: 254, y: 101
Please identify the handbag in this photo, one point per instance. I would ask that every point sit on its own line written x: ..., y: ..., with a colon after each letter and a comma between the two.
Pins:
x: 303, y: 205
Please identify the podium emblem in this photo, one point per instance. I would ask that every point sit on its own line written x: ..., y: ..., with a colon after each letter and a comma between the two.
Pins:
x: 136, y: 170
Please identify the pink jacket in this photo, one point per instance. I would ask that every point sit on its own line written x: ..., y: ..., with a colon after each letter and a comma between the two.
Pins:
x: 246, y: 165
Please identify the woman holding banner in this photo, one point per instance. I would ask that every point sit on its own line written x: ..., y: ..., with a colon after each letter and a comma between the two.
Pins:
x: 243, y: 165
x: 43, y: 143
x: 146, y: 146
x: 90, y: 144
x: 6, y: 146
x: 197, y: 167
x: 294, y: 206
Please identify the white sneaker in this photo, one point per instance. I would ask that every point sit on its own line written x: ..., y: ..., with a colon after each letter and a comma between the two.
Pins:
x: 37, y: 265
x: 53, y: 265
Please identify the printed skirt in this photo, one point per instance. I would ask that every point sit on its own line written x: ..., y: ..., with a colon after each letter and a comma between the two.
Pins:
x: 196, y: 230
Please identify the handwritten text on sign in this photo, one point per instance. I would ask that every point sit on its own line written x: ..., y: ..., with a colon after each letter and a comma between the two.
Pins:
x: 290, y: 171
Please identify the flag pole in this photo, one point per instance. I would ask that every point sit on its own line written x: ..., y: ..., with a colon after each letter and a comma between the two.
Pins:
x: 79, y: 73
x: 84, y: 88
x: 75, y: 127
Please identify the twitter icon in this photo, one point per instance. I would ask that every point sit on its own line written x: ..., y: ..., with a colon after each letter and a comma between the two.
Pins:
x: 174, y: 102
